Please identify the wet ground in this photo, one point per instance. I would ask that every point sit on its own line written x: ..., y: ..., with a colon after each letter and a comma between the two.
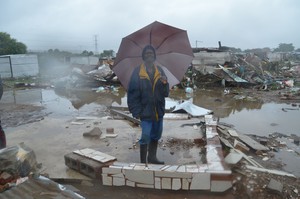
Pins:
x: 249, y: 112
x: 268, y: 115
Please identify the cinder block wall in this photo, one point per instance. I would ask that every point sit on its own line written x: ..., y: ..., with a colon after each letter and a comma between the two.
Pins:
x: 214, y: 176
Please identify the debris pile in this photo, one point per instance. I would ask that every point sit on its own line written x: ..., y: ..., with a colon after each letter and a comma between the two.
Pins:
x: 16, y: 163
x: 256, y: 172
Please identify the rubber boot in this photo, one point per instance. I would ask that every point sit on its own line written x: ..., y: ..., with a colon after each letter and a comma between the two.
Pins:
x: 152, y: 153
x: 143, y: 152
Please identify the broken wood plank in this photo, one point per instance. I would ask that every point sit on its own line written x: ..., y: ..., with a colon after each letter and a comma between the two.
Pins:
x: 226, y: 142
x: 233, y: 158
x: 272, y: 171
x: 125, y: 116
x: 240, y: 146
x: 233, y: 132
x: 252, y: 143
x: 253, y: 162
x: 223, y: 131
x: 232, y: 75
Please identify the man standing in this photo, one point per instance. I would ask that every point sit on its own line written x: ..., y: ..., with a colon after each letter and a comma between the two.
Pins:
x: 146, y: 94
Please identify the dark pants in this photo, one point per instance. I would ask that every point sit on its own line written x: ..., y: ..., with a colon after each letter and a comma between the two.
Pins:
x: 151, y: 131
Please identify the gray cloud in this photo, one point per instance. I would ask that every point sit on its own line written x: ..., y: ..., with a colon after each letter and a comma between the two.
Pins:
x: 73, y: 24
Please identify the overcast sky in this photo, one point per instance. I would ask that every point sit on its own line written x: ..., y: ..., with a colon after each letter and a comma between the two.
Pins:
x: 74, y: 25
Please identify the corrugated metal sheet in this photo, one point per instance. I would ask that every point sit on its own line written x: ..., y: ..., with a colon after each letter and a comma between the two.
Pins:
x: 40, y: 187
x: 232, y: 75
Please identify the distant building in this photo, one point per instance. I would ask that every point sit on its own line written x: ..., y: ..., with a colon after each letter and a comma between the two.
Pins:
x: 84, y: 60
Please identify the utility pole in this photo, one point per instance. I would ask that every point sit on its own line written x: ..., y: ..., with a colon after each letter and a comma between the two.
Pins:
x: 96, y: 44
x: 197, y: 43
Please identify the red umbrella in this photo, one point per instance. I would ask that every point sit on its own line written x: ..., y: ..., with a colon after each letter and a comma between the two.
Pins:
x: 173, y: 52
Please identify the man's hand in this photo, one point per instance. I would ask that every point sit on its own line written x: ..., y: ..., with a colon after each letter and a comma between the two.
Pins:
x: 164, y: 79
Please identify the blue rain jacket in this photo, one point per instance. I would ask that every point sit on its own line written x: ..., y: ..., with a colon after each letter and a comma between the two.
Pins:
x: 146, y: 99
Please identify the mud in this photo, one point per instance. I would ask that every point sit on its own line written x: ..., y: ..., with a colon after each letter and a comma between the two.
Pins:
x: 13, y: 115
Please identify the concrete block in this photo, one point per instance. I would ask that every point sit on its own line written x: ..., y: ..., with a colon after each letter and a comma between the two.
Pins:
x: 106, y: 180
x: 218, y: 167
x: 96, y: 155
x: 72, y: 161
x: 192, y: 168
x: 130, y: 183
x: 107, y: 157
x: 165, y: 167
x: 98, y: 158
x: 157, y: 183
x: 119, y: 175
x: 109, y: 170
x: 127, y: 168
x: 200, y: 181
x: 185, y: 184
x: 181, y: 168
x: 85, y: 165
x: 140, y: 176
x: 155, y: 167
x: 84, y: 152
x: 176, y: 184
x: 90, y: 167
x: 275, y: 186
x: 167, y: 174
x: 139, y: 167
x: 145, y: 186
x: 171, y: 168
x: 116, y: 167
x: 202, y: 168
x: 166, y: 183
x: 120, y: 164
x: 117, y: 181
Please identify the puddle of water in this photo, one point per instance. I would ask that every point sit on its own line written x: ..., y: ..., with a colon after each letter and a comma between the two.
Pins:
x: 250, y: 117
x: 268, y: 119
x: 253, y: 117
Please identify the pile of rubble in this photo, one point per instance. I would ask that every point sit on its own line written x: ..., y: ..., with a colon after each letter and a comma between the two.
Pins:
x: 243, y: 70
x: 257, y: 174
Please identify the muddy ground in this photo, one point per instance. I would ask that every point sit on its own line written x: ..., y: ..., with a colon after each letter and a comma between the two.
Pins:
x: 247, y: 183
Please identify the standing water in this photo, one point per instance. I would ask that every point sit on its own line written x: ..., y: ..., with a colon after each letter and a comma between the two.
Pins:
x: 248, y: 116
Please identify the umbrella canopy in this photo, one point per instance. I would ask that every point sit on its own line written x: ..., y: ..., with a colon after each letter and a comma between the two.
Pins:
x: 173, y: 52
